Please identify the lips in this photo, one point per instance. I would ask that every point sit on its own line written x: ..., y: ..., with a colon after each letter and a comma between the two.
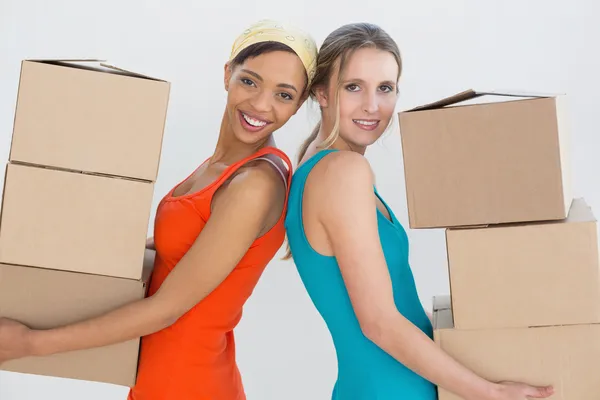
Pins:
x: 366, y: 124
x: 251, y: 122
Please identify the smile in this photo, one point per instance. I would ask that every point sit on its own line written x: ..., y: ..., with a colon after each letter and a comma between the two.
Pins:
x: 257, y: 123
x: 366, y: 124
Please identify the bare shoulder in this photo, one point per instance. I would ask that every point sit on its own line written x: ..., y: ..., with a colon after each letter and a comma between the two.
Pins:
x: 341, y: 173
x: 254, y: 196
x: 257, y: 182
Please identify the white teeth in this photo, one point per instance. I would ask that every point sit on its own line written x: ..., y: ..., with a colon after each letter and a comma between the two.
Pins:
x: 366, y: 123
x: 254, y: 122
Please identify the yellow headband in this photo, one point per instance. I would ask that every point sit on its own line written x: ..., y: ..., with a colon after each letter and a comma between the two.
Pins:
x: 272, y: 31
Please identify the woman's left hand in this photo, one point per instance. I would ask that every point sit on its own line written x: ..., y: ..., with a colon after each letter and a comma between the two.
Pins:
x: 14, y: 340
x: 241, y: 212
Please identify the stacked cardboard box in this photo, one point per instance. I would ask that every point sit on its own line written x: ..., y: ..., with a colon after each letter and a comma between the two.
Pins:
x: 523, y: 260
x: 76, y: 204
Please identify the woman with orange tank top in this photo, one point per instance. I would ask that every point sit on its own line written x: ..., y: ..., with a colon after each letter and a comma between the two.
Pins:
x: 214, y: 234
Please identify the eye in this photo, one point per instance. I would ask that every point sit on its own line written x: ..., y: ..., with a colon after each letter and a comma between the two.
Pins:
x: 247, y: 82
x: 286, y: 96
x: 352, y: 87
x: 386, y: 88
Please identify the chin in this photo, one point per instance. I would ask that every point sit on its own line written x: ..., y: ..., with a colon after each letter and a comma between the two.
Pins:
x: 250, y: 138
x: 363, y: 140
x: 360, y: 137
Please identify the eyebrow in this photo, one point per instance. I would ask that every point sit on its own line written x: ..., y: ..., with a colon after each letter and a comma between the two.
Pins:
x: 387, y: 82
x: 281, y: 85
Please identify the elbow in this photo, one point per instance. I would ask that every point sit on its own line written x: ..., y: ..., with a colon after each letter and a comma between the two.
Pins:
x: 169, y: 316
x: 166, y: 321
x: 374, y: 329
x: 163, y: 313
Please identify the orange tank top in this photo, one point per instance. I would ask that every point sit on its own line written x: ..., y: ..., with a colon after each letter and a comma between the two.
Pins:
x: 194, y: 359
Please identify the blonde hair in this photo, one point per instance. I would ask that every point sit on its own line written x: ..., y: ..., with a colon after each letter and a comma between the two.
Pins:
x: 337, y: 48
x: 332, y: 57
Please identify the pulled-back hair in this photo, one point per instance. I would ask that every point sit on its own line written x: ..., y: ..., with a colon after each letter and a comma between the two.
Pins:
x: 337, y: 48
x: 335, y: 51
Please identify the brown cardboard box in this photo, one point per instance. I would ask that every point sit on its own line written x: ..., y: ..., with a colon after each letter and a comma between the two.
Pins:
x: 91, y: 117
x: 43, y: 299
x: 486, y: 163
x: 567, y: 357
x: 526, y: 274
x: 74, y: 222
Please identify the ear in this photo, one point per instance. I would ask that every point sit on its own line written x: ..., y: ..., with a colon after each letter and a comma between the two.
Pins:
x: 227, y: 75
x: 322, y: 97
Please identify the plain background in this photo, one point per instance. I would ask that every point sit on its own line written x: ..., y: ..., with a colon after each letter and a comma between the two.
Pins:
x: 284, y: 349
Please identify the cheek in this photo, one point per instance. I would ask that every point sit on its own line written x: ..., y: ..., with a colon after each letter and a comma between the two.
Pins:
x: 387, y: 107
x: 349, y: 104
x: 236, y: 95
x: 283, y: 112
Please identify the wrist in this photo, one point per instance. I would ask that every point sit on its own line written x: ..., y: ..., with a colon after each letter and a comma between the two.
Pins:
x: 493, y: 391
x: 36, y: 345
x: 485, y: 390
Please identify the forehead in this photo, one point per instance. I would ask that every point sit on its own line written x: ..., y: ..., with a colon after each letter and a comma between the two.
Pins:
x: 278, y: 67
x: 371, y: 64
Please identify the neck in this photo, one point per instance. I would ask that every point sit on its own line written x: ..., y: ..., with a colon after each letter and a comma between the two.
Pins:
x: 230, y: 150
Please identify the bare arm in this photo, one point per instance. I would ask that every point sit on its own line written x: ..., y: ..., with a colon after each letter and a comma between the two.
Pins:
x: 352, y: 231
x: 236, y: 220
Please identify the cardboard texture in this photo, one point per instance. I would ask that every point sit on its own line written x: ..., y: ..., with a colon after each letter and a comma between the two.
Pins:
x: 91, y: 117
x: 567, y: 357
x: 526, y: 274
x: 44, y: 299
x: 74, y: 222
x: 488, y: 163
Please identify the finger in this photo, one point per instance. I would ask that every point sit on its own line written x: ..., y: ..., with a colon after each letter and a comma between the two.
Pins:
x: 540, y: 392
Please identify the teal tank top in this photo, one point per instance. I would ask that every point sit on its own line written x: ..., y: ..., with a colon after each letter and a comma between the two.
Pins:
x: 365, y: 371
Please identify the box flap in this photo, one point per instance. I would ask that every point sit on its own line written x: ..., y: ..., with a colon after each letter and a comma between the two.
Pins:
x: 580, y: 211
x: 137, y: 74
x: 441, y: 302
x: 472, y: 94
x: 443, y: 319
x: 94, y: 65
x: 442, y: 312
x: 74, y: 60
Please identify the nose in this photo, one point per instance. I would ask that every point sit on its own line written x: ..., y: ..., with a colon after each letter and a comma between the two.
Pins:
x: 262, y: 101
x: 370, y: 104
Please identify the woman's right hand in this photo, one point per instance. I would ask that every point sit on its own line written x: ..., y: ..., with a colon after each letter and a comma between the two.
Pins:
x: 521, y: 391
x: 351, y: 227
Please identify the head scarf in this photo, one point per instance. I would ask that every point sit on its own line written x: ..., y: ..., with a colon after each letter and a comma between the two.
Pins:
x: 272, y: 31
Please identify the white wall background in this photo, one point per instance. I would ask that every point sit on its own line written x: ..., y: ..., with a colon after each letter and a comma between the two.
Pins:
x: 284, y: 350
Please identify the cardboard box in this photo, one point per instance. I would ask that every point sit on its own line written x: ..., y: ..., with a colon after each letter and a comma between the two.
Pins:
x: 44, y: 299
x: 89, y: 116
x: 526, y: 274
x: 74, y: 222
x: 489, y: 163
x: 567, y: 357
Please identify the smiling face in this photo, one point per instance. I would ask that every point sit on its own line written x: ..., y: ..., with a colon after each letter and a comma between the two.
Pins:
x: 263, y: 93
x: 367, y: 96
